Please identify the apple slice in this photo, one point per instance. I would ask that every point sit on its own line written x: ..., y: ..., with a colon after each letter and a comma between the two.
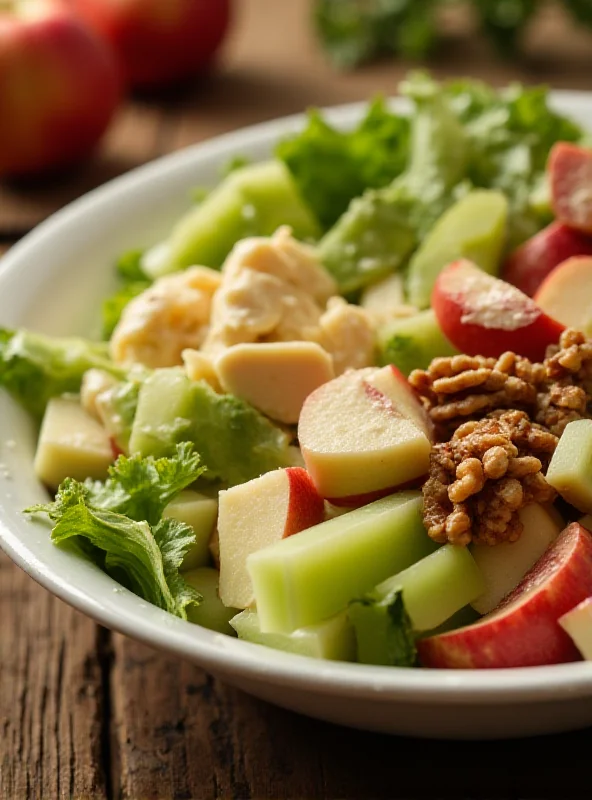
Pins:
x: 307, y: 578
x: 333, y: 639
x: 255, y: 514
x: 363, y: 432
x: 577, y: 623
x: 566, y: 295
x: 504, y: 565
x: 275, y: 377
x: 569, y: 471
x: 523, y: 631
x: 482, y: 315
x: 570, y: 175
x: 530, y: 264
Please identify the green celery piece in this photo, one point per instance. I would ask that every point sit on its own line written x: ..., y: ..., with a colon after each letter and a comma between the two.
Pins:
x: 412, y: 342
x: 433, y: 589
x: 333, y: 639
x: 473, y: 228
x: 307, y: 578
x: 211, y: 613
x: 252, y: 201
x: 35, y: 367
x: 385, y: 638
x: 235, y: 441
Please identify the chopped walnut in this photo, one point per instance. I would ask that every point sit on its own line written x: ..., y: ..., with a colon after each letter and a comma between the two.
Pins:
x: 461, y: 388
x: 482, y: 477
x: 567, y: 393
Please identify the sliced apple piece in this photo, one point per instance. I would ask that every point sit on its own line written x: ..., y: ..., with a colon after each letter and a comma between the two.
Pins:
x: 570, y: 470
x: 482, y: 315
x: 71, y: 444
x: 211, y: 613
x: 255, y: 514
x: 356, y: 439
x: 433, y: 590
x: 504, y: 565
x: 523, y: 631
x: 276, y: 377
x: 307, y: 578
x: 333, y: 639
x: 566, y: 295
x: 200, y: 512
x: 570, y: 175
x: 531, y: 263
x: 577, y: 623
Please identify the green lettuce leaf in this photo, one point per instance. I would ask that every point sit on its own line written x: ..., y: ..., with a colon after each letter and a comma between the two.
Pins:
x: 35, y: 367
x: 332, y: 167
x: 121, y: 519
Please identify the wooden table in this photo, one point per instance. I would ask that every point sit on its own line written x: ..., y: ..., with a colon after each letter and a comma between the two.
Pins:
x: 85, y: 713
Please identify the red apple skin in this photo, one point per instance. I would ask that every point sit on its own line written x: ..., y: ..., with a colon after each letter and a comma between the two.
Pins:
x: 529, y: 265
x: 529, y: 336
x: 59, y: 88
x: 306, y: 507
x: 159, y: 41
x: 523, y: 631
x: 570, y: 174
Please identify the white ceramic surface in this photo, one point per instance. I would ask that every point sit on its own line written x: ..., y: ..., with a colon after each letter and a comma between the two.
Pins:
x: 53, y: 281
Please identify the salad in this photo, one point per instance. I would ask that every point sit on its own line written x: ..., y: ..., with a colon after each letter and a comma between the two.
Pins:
x: 345, y: 408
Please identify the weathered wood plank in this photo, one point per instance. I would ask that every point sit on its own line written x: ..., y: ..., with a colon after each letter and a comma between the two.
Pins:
x: 53, y: 670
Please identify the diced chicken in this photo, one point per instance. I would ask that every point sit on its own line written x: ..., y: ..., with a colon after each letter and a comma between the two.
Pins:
x: 285, y: 258
x: 167, y: 318
x: 276, y: 378
x: 199, y: 367
x: 94, y: 383
x: 252, y: 306
x: 348, y: 334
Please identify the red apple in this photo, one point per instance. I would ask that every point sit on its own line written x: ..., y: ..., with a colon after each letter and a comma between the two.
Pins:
x: 59, y: 87
x: 482, y: 315
x: 256, y: 514
x: 362, y: 435
x: 570, y: 174
x: 565, y: 294
x: 523, y: 631
x: 159, y: 41
x: 528, y: 266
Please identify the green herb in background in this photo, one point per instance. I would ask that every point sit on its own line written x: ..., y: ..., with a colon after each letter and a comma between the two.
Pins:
x: 356, y: 31
x: 132, y: 282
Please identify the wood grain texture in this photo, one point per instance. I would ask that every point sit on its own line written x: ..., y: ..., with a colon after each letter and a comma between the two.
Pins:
x: 53, y: 664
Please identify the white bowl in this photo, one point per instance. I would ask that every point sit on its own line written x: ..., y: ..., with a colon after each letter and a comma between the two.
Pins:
x: 53, y: 281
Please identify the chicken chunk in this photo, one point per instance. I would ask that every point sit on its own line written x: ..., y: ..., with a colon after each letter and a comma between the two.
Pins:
x: 167, y: 318
x: 347, y: 334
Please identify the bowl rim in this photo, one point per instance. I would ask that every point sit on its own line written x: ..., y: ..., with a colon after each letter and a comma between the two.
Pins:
x: 220, y: 653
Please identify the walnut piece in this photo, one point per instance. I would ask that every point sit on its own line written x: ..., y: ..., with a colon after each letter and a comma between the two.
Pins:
x: 461, y: 388
x: 482, y: 477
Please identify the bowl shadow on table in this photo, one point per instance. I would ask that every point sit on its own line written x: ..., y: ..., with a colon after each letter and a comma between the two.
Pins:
x: 251, y: 749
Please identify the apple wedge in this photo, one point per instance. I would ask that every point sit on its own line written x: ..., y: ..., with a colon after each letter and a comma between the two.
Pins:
x: 569, y: 470
x: 255, y: 514
x: 482, y: 315
x: 523, y: 631
x: 362, y: 433
x: 504, y: 565
x: 570, y: 176
x: 577, y: 623
x: 530, y: 264
x: 566, y: 295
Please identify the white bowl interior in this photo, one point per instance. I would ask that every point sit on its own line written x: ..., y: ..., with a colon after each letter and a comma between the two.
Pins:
x: 53, y: 281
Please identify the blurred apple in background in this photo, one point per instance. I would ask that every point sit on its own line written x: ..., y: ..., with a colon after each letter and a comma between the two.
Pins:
x: 159, y: 41
x: 59, y: 87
